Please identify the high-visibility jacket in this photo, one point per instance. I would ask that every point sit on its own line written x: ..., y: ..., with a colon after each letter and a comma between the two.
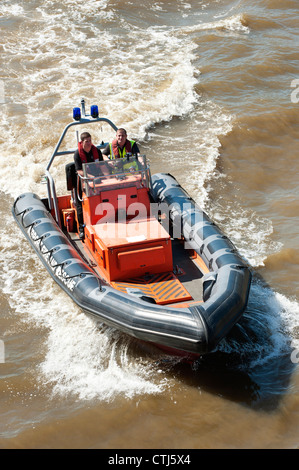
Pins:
x: 116, y: 152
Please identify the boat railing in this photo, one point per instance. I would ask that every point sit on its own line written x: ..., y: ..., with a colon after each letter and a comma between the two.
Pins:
x: 80, y: 118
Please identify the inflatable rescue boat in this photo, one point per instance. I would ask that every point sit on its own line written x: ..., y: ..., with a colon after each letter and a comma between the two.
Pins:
x: 151, y: 264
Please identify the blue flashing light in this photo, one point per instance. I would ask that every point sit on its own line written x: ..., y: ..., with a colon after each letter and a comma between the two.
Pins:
x: 94, y: 111
x: 77, y: 114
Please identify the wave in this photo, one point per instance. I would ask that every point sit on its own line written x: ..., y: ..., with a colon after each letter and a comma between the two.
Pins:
x: 250, y: 232
x: 233, y: 24
x: 268, y: 327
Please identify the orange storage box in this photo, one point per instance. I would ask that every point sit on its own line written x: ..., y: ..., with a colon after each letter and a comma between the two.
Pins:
x: 133, y: 249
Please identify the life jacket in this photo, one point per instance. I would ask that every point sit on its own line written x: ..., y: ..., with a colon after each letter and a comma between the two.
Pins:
x: 83, y: 156
x: 116, y: 152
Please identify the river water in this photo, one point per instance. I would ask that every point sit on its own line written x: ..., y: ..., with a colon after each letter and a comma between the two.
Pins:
x: 210, y: 90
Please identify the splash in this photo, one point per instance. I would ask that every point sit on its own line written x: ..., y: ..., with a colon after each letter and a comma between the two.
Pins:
x: 267, y: 331
x: 94, y: 362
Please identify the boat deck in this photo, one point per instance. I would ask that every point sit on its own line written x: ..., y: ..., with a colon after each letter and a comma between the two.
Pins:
x: 189, y: 272
x: 184, y: 284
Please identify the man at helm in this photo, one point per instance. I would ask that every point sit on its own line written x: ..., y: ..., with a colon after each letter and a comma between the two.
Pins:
x: 120, y: 147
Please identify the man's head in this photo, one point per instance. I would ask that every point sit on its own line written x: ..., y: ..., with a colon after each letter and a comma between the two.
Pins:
x: 121, y: 136
x: 86, y: 141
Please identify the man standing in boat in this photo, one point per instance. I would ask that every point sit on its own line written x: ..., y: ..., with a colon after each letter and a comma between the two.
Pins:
x: 120, y: 147
x: 86, y: 153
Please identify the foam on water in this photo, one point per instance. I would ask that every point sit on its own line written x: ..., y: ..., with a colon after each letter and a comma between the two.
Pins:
x: 94, y: 364
x: 250, y: 232
x: 55, y: 62
x: 7, y: 9
x: 269, y: 327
